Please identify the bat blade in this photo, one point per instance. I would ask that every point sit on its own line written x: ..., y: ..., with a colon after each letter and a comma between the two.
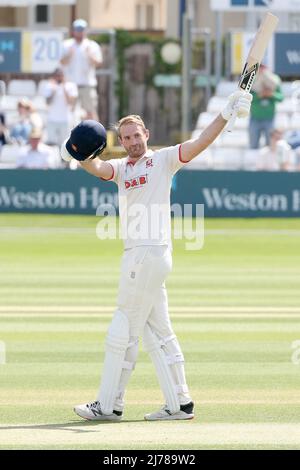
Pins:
x: 255, y: 56
x: 257, y: 51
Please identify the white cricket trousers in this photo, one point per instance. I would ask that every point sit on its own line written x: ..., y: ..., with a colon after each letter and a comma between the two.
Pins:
x: 142, y: 297
x: 142, y: 293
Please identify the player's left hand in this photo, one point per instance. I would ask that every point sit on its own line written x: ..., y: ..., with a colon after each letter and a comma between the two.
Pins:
x: 239, y: 102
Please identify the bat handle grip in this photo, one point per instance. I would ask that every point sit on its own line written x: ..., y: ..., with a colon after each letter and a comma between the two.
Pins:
x: 231, y: 121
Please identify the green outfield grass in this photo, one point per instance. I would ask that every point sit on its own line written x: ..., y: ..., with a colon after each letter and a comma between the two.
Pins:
x: 235, y: 307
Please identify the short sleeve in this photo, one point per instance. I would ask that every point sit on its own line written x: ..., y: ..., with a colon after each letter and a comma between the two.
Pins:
x: 115, y: 164
x: 97, y: 51
x: 65, y: 48
x: 21, y: 158
x: 72, y: 89
x: 173, y: 158
x: 47, y: 90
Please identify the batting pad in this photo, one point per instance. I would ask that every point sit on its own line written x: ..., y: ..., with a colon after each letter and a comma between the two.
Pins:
x: 167, y: 384
x: 115, y: 348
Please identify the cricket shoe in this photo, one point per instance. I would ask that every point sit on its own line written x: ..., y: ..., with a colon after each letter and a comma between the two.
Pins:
x: 92, y: 412
x: 185, y: 412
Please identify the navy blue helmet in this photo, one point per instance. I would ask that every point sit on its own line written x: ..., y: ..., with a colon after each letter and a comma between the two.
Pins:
x: 87, y: 141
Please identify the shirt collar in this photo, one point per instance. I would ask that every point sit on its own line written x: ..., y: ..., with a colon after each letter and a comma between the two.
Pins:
x: 148, y: 154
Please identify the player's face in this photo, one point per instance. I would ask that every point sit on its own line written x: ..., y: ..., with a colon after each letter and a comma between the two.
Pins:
x: 134, y: 139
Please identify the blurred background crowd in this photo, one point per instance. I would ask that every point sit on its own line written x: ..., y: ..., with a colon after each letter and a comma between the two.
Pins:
x: 37, y: 116
x: 68, y: 96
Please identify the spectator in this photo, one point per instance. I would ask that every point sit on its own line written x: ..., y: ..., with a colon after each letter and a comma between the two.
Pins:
x: 3, y: 131
x: 37, y: 155
x: 35, y: 119
x: 266, y: 93
x: 27, y: 120
x: 20, y: 132
x: 276, y: 157
x: 61, y: 98
x: 80, y: 59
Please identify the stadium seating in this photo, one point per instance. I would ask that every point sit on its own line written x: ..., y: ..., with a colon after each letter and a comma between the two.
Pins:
x: 9, y: 154
x: 18, y: 89
x: 202, y: 162
x: 9, y: 103
x: 216, y: 104
x: 282, y: 121
x: 225, y: 88
x: 295, y: 122
x: 249, y: 162
x: 227, y: 159
x: 22, y: 88
x: 2, y: 88
x: 231, y: 150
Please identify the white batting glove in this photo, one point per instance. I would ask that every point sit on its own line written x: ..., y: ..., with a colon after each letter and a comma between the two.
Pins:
x: 64, y: 153
x: 240, y: 101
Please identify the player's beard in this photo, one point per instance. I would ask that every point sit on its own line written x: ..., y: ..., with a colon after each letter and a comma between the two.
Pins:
x: 137, y: 151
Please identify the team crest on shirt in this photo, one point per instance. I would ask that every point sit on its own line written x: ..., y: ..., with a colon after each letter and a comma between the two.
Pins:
x: 149, y: 163
x: 136, y: 182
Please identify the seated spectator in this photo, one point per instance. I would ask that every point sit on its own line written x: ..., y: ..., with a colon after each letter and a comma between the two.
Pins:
x: 4, y: 138
x: 61, y: 98
x: 20, y: 132
x: 278, y: 156
x: 28, y: 119
x: 37, y: 155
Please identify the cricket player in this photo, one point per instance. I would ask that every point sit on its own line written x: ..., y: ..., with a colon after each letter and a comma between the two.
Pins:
x: 144, y: 181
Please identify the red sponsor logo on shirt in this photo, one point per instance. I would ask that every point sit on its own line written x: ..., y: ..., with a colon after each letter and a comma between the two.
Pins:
x: 136, y: 182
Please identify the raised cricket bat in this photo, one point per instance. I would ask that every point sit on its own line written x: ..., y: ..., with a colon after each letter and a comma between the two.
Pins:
x: 255, y: 56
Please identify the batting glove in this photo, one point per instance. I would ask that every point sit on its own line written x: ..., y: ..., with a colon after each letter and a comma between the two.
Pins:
x: 239, y: 102
x: 64, y: 154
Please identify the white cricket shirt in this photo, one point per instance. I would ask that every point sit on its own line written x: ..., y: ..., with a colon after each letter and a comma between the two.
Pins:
x: 144, y: 196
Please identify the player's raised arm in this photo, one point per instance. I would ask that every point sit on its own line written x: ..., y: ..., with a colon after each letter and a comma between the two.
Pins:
x: 98, y: 168
x: 87, y: 141
x: 238, y: 103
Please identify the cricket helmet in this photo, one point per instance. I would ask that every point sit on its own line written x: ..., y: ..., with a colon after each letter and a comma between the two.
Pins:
x: 87, y: 141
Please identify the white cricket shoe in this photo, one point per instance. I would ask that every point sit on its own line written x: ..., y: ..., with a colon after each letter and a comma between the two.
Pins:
x: 185, y: 412
x: 92, y: 412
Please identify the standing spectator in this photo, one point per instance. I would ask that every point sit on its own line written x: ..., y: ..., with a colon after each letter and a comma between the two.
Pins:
x: 61, y: 98
x: 266, y: 93
x: 37, y: 155
x: 278, y: 156
x: 80, y: 58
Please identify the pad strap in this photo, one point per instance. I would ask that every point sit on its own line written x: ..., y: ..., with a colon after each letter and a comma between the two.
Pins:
x: 166, y: 340
x: 128, y: 365
x: 182, y: 389
x: 174, y: 358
